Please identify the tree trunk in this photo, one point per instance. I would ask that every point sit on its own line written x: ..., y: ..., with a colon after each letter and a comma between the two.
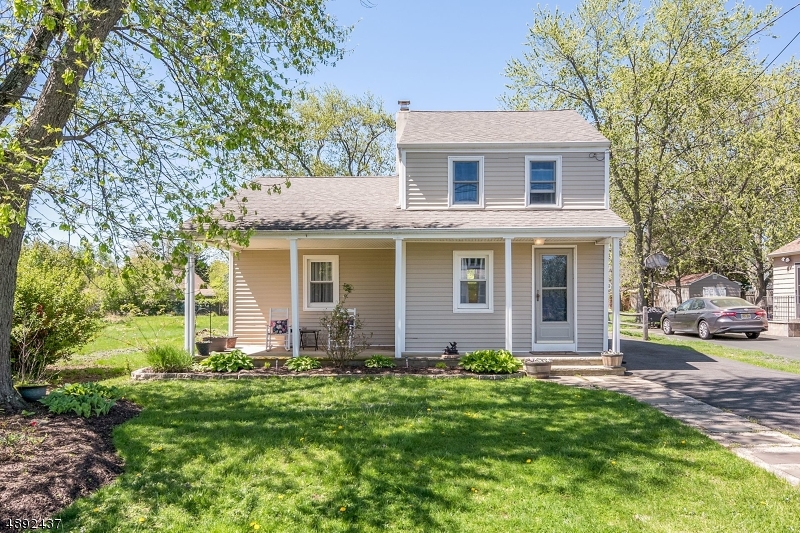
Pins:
x: 10, y: 248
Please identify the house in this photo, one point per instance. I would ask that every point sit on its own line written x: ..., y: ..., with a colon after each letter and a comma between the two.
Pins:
x: 785, y: 319
x: 495, y: 233
x: 695, y: 286
x: 199, y: 287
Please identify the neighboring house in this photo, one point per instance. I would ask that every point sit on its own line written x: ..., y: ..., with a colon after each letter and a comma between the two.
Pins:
x: 494, y: 234
x: 697, y: 285
x: 786, y: 290
x: 199, y: 287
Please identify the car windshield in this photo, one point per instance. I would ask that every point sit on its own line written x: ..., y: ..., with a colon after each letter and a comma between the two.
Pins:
x: 726, y: 303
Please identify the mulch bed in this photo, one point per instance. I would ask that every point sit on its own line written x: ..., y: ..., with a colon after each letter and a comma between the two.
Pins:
x: 48, y: 461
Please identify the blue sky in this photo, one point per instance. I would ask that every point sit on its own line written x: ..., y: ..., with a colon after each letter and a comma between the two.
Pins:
x: 450, y: 54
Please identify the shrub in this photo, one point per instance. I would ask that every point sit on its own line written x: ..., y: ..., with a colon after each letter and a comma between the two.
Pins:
x: 440, y: 365
x: 490, y: 362
x: 84, y: 399
x: 345, y: 338
x: 168, y: 359
x: 301, y: 364
x: 53, y: 312
x: 232, y: 361
x: 379, y: 361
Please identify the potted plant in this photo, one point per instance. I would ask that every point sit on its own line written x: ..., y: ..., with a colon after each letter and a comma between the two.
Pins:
x: 203, y: 346
x: 611, y: 358
x: 30, y: 365
x: 538, y: 367
x: 230, y: 342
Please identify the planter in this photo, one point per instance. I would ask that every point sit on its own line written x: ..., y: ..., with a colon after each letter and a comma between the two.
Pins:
x: 32, y: 393
x: 203, y: 347
x: 217, y: 343
x: 230, y: 342
x: 612, y: 360
x: 538, y: 370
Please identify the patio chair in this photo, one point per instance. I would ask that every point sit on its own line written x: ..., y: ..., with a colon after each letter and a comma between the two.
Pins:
x: 279, y: 326
x: 351, y: 326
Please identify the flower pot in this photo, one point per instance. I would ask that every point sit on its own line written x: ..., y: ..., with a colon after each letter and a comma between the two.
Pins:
x: 538, y: 370
x: 32, y: 393
x: 230, y: 342
x: 217, y: 343
x: 203, y: 347
x: 612, y: 360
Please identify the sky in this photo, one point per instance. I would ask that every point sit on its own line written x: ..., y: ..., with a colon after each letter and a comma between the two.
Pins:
x: 450, y: 54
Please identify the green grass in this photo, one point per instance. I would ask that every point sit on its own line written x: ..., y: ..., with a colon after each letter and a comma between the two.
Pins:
x: 415, y: 454
x: 753, y: 357
x: 119, y: 347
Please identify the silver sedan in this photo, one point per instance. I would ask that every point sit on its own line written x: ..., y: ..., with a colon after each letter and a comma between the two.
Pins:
x: 713, y: 315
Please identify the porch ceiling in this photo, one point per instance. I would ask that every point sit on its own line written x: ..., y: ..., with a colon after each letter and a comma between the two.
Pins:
x: 270, y: 243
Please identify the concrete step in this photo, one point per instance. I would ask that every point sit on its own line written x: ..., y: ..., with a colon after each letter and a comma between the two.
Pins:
x: 586, y: 370
x: 575, y: 360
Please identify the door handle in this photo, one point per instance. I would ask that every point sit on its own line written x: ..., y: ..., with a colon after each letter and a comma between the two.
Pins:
x: 537, y: 296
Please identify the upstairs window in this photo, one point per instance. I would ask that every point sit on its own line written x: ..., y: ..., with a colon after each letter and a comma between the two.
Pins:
x: 543, y: 181
x: 465, y: 181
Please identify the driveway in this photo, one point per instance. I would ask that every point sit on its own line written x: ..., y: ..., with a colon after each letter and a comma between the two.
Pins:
x: 788, y: 347
x: 769, y: 396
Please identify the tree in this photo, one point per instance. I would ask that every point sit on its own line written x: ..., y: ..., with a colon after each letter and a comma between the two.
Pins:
x: 126, y: 117
x: 653, y: 80
x: 218, y: 279
x: 341, y: 136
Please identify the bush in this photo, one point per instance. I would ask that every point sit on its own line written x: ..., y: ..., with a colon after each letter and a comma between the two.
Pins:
x: 379, y: 361
x: 301, y: 364
x: 84, y: 399
x: 345, y: 338
x: 490, y: 362
x: 168, y: 359
x: 232, y: 361
x: 53, y: 313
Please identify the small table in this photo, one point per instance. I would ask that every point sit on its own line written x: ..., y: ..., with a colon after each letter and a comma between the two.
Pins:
x: 309, y: 331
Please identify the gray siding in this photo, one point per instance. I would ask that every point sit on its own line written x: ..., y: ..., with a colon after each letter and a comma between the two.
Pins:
x: 522, y: 280
x: 262, y: 281
x: 583, y: 180
x: 592, y: 328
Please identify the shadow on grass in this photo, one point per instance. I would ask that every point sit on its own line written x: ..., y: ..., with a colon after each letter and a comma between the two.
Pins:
x: 90, y: 373
x: 411, y: 453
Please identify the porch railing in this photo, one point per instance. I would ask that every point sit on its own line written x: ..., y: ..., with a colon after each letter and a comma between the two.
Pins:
x: 784, y: 308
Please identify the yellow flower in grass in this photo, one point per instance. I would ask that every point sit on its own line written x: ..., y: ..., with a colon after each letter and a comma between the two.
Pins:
x: 255, y: 525
x: 141, y: 519
x: 341, y: 427
x: 683, y: 442
x: 527, y: 460
x: 342, y: 509
x: 96, y: 509
x: 613, y: 462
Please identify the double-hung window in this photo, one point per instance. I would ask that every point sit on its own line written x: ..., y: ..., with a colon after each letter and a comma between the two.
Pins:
x: 472, y: 282
x: 543, y: 181
x: 320, y: 282
x: 465, y: 180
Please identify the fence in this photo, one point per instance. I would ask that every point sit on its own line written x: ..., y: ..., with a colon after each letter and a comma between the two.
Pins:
x: 204, y: 308
x: 784, y: 308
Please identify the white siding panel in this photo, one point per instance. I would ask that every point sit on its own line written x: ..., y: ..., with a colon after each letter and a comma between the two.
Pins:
x: 261, y: 282
x: 591, y: 302
x: 783, y: 276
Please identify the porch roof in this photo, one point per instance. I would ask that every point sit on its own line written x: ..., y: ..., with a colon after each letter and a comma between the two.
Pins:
x: 787, y: 249
x: 369, y: 205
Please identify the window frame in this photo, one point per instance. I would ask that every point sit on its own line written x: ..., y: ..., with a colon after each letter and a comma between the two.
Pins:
x: 319, y: 306
x: 557, y: 159
x: 458, y: 307
x: 451, y: 187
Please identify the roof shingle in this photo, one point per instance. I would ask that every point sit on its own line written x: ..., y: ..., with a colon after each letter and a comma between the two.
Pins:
x: 787, y: 249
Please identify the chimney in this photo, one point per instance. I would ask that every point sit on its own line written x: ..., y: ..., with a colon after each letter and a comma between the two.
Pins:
x: 404, y: 104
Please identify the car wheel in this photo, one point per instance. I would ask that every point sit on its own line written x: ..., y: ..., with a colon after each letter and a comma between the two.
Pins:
x: 666, y: 327
x: 753, y: 334
x: 704, y: 331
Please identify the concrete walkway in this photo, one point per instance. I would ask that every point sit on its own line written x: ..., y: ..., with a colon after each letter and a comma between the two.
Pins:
x: 771, y: 450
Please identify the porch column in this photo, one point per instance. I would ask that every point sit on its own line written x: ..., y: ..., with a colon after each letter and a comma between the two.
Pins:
x: 615, y: 295
x: 509, y: 292
x: 605, y: 296
x: 399, y: 298
x: 188, y: 306
x: 295, y: 297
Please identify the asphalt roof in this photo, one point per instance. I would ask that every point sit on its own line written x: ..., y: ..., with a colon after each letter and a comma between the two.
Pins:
x: 370, y: 203
x: 787, y: 249
x: 509, y: 127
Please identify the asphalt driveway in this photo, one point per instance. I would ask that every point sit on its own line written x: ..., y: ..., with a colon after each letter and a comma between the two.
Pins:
x: 769, y: 396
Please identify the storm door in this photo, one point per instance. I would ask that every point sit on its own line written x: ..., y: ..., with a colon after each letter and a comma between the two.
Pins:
x: 554, y: 300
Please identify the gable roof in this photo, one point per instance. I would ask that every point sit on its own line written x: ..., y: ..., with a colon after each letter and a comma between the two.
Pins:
x: 497, y: 127
x: 787, y: 249
x: 370, y: 204
x: 689, y: 279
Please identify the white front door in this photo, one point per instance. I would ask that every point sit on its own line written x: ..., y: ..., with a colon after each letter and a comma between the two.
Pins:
x: 553, y: 300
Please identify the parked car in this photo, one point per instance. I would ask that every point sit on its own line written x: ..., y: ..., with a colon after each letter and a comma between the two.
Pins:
x: 714, y: 315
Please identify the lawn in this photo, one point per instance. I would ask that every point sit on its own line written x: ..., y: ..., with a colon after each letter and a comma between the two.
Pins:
x: 416, y: 454
x: 119, y: 346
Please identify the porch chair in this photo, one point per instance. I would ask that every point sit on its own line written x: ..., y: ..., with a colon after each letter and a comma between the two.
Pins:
x: 279, y: 326
x: 351, y: 326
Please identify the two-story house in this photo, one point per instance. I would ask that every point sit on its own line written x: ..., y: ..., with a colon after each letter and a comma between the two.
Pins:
x: 495, y: 233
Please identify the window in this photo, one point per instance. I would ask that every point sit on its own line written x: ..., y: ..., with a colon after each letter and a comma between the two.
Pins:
x: 543, y: 181
x: 465, y: 181
x: 685, y: 305
x: 697, y: 305
x: 472, y: 282
x: 321, y: 282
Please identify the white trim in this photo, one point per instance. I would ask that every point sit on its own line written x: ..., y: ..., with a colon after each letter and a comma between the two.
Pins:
x: 403, y: 298
x: 188, y: 306
x: 399, y: 319
x: 547, y: 346
x: 403, y: 181
x: 507, y: 147
x: 295, y: 292
x: 450, y: 160
x: 509, y: 294
x: 231, y: 299
x: 605, y: 296
x: 588, y: 233
x: 615, y: 296
x: 307, y: 259
x: 557, y: 159
x: 458, y: 307
x: 606, y: 164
